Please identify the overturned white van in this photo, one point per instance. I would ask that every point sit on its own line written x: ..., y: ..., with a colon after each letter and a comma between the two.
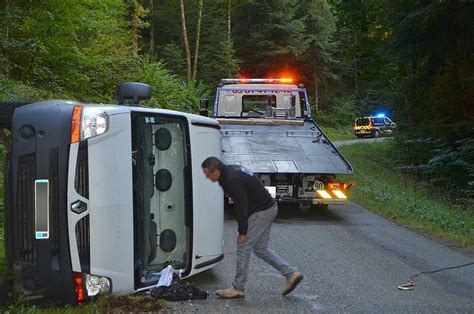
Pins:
x: 100, y: 198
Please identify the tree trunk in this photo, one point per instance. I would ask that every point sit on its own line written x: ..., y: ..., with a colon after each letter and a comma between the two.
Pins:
x: 152, y: 33
x: 185, y: 40
x: 315, y: 73
x: 316, y: 100
x: 356, y: 83
x: 198, y: 35
x: 228, y: 20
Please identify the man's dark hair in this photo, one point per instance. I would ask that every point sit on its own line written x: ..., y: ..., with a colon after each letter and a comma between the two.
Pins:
x: 213, y: 164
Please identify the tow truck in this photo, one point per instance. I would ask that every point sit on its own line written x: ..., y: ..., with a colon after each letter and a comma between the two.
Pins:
x: 100, y: 198
x: 267, y: 127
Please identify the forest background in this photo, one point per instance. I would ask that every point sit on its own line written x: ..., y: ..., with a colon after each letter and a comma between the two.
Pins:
x: 410, y: 59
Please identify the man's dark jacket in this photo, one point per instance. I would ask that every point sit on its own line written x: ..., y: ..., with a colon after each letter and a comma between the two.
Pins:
x: 247, y: 192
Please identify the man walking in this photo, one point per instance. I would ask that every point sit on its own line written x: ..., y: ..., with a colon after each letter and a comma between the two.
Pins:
x: 256, y: 210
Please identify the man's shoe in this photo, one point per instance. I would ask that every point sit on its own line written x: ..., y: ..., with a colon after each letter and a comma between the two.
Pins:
x: 230, y: 293
x: 292, y: 282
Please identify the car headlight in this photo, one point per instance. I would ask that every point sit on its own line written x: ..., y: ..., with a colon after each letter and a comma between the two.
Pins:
x: 94, y: 122
x: 97, y: 285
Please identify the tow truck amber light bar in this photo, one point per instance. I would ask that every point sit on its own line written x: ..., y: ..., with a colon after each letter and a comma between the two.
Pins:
x: 260, y: 80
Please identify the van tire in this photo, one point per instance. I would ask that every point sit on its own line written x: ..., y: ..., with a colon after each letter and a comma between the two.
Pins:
x: 376, y: 133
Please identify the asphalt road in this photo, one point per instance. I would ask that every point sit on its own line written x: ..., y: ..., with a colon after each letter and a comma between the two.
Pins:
x: 352, y: 260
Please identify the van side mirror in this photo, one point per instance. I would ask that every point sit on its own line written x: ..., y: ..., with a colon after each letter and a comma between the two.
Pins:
x: 204, y: 104
x: 132, y: 91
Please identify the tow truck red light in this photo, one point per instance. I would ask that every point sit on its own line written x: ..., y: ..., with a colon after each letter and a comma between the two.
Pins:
x: 241, y: 80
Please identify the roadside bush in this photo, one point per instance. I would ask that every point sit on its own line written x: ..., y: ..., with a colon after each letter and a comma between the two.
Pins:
x: 16, y: 91
x: 169, y: 92
x: 446, y: 164
x: 341, y: 113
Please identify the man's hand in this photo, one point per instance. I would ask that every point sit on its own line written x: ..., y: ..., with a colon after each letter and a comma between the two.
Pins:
x: 241, y: 238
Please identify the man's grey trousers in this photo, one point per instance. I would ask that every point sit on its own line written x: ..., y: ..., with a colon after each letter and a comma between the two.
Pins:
x: 258, y: 234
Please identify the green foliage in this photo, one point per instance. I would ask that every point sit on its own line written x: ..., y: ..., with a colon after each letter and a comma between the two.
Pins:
x: 71, y: 48
x: 445, y: 164
x: 173, y: 58
x: 268, y: 36
x: 17, y: 91
x: 342, y: 113
x: 383, y: 188
x: 169, y: 92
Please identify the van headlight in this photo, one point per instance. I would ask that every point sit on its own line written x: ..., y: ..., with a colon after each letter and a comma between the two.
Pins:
x: 94, y: 122
x: 97, y: 285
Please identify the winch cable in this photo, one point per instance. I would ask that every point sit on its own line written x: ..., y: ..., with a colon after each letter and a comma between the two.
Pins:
x: 410, y: 284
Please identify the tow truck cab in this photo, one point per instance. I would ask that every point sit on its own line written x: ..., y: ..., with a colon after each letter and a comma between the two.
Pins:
x: 100, y: 198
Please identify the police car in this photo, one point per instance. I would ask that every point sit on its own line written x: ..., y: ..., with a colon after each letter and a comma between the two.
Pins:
x: 373, y: 126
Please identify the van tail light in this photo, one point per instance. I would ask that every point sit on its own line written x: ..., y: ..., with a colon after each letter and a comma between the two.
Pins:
x: 76, y: 124
x: 78, y: 284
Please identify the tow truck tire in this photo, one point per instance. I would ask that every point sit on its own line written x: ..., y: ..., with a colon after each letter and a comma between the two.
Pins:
x: 320, y: 207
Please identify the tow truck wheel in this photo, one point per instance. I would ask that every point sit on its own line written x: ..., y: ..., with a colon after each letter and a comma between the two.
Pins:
x: 319, y: 207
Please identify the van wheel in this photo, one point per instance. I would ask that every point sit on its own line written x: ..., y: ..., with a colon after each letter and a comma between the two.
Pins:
x: 376, y: 133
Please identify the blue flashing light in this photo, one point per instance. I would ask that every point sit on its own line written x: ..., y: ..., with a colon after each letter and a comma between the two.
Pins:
x: 381, y: 115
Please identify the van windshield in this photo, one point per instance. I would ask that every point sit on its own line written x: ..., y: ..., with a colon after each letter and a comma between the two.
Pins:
x: 362, y: 121
x: 161, y: 195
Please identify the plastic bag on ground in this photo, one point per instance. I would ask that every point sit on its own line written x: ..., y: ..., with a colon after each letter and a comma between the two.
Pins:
x: 166, y: 277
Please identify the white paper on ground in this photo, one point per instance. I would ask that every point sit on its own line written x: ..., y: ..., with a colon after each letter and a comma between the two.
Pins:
x: 166, y: 276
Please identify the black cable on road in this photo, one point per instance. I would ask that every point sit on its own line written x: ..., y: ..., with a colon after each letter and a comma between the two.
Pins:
x: 410, y: 284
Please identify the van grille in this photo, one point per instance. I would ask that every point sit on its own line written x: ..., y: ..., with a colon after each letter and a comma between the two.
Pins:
x: 83, y: 243
x: 81, y: 182
x: 26, y: 208
x: 54, y: 202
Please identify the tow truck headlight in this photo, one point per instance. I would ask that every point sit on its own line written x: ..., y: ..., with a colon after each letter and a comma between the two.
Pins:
x: 94, y: 122
x: 97, y: 285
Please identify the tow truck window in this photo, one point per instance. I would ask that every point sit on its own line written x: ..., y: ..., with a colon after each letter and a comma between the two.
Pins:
x: 162, y: 195
x: 257, y: 102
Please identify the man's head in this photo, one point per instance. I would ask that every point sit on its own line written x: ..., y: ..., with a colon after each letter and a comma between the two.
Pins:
x: 212, y: 168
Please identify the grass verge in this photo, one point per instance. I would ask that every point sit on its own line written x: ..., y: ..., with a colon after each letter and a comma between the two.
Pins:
x: 385, y: 190
x: 340, y: 133
x: 105, y: 304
